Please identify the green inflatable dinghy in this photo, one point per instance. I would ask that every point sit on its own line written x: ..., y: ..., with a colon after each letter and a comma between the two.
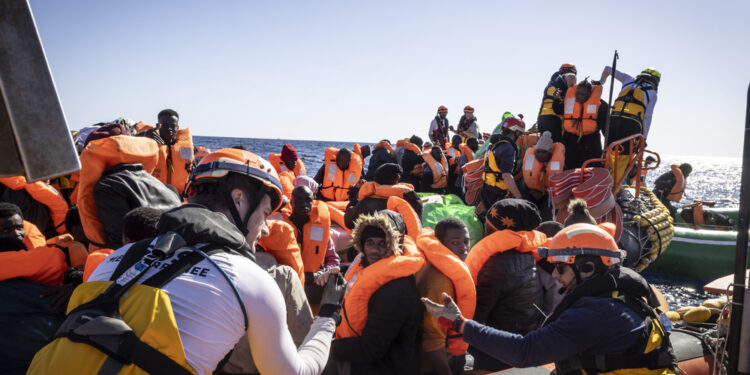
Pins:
x: 437, y: 207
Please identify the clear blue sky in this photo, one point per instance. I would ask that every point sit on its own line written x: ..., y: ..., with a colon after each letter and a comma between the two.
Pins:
x: 362, y: 71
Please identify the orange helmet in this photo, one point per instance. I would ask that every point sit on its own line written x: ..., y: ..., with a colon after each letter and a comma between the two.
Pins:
x: 568, y: 68
x: 469, y: 109
x: 582, y: 239
x: 514, y: 123
x: 219, y: 163
x: 442, y: 108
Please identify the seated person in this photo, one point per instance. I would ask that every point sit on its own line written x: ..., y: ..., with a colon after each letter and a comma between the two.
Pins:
x: 288, y: 161
x: 373, y: 195
x: 435, y: 175
x: 341, y: 171
x: 412, y: 162
x: 382, y: 153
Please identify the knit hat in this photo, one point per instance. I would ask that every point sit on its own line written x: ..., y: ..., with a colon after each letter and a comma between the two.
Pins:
x: 288, y: 153
x: 513, y: 214
x: 544, y: 142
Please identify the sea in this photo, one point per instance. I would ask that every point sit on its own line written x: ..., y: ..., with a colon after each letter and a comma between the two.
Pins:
x: 713, y: 179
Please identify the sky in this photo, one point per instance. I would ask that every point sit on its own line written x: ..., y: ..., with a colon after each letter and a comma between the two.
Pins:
x: 364, y: 71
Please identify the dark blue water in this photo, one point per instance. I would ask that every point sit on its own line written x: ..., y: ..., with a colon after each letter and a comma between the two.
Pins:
x: 715, y: 179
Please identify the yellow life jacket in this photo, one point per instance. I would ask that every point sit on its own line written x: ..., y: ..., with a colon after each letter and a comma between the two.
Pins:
x: 316, y: 234
x: 282, y: 244
x: 630, y: 104
x: 137, y: 318
x: 439, y: 170
x: 492, y: 175
x: 374, y: 189
x: 45, y: 194
x: 580, y: 118
x: 675, y: 195
x: 336, y: 183
x: 364, y: 281
x: 175, y: 162
x: 501, y: 241
x: 548, y: 99
x: 536, y: 174
x: 280, y: 166
x: 453, y: 268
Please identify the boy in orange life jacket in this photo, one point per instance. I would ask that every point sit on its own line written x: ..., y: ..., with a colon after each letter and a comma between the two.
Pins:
x: 432, y: 283
x: 585, y: 118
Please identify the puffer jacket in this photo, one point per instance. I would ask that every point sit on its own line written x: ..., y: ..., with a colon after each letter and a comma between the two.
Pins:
x: 379, y: 157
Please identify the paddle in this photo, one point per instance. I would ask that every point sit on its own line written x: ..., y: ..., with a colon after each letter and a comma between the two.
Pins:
x: 611, y: 92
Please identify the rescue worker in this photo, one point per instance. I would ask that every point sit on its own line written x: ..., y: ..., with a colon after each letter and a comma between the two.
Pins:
x: 288, y: 161
x: 670, y: 186
x: 445, y: 250
x: 380, y: 313
x: 438, y: 132
x: 341, y: 171
x: 503, y: 266
x: 603, y: 325
x: 550, y: 116
x: 467, y: 125
x: 175, y: 150
x: 382, y: 153
x: 412, y: 162
x: 223, y: 295
x: 500, y: 164
x: 634, y: 107
x: 541, y: 162
x: 435, y: 173
x: 584, y: 118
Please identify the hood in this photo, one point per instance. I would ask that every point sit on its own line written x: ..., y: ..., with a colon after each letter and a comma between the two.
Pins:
x: 390, y: 222
x: 197, y: 224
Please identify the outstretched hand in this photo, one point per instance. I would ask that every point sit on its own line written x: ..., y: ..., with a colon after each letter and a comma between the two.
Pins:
x: 333, y: 292
x: 448, y: 314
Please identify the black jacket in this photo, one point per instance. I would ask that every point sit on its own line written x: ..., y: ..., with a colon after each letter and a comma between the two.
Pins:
x: 389, y: 342
x: 33, y: 211
x: 123, y: 188
x: 408, y: 162
x: 379, y: 157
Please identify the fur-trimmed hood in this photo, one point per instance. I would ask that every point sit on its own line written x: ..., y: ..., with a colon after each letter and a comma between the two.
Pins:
x: 390, y: 222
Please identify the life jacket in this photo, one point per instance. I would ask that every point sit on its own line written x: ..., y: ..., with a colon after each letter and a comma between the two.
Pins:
x: 412, y: 221
x: 34, y: 237
x: 281, y: 243
x: 376, y: 190
x: 548, y: 99
x: 675, y: 195
x: 336, y: 183
x: 120, y: 327
x: 439, y: 170
x: 492, y: 175
x: 502, y: 241
x: 96, y: 158
x: 316, y: 234
x: 452, y: 152
x: 465, y: 150
x: 631, y: 103
x: 384, y: 145
x: 287, y: 184
x: 94, y: 259
x: 453, y: 268
x: 527, y: 140
x: 580, y: 118
x: 76, y: 251
x: 651, y: 355
x: 45, y: 264
x: 362, y: 282
x: 473, y: 176
x: 280, y: 166
x: 44, y: 194
x: 142, y: 127
x: 337, y: 216
x: 175, y: 162
x: 536, y: 174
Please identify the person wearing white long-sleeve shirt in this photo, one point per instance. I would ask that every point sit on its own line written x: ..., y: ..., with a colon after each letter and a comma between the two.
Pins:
x: 634, y: 107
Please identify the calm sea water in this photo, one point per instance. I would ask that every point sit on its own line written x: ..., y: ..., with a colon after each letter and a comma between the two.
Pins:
x: 713, y: 178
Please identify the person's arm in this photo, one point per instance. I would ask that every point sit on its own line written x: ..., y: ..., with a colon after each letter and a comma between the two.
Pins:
x: 624, y: 78
x: 319, y: 176
x: 650, y: 104
x: 506, y: 156
x: 43, y: 265
x: 332, y: 258
x: 510, y: 182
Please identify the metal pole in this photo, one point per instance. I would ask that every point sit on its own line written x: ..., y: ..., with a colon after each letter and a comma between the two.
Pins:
x: 740, y: 256
x: 611, y: 92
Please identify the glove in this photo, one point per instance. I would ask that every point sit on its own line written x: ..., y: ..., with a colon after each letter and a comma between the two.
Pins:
x: 448, y: 315
x: 333, y: 292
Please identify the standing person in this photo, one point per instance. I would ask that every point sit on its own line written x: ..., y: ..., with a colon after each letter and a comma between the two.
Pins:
x: 439, y: 127
x: 669, y: 186
x: 288, y: 161
x: 550, y: 116
x: 584, y: 119
x: 542, y: 161
x: 445, y: 272
x: 500, y: 162
x: 503, y: 266
x: 175, y: 150
x: 223, y: 296
x: 634, y: 107
x: 467, y: 125
x: 602, y: 325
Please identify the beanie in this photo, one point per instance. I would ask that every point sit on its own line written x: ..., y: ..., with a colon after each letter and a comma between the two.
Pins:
x: 514, y: 214
x: 544, y: 142
x: 288, y: 153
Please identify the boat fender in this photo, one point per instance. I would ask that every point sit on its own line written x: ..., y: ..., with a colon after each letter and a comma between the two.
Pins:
x: 697, y: 314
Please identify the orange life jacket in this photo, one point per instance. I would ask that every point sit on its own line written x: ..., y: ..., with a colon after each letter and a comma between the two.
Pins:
x: 580, y: 118
x: 281, y: 243
x: 412, y: 221
x: 452, y: 267
x: 280, y: 166
x: 45, y: 194
x: 287, y: 184
x: 34, y: 237
x: 374, y: 189
x: 77, y: 252
x: 94, y: 259
x: 439, y: 170
x: 452, y: 152
x: 527, y: 140
x: 501, y: 241
x: 178, y: 172
x: 316, y: 234
x: 200, y: 153
x: 336, y: 183
x: 402, y: 142
x: 465, y: 150
x: 337, y: 216
x: 142, y: 126
x: 362, y: 282
x: 97, y: 157
x: 417, y: 171
x: 384, y: 145
x: 675, y: 195
x: 536, y: 174
x: 42, y: 264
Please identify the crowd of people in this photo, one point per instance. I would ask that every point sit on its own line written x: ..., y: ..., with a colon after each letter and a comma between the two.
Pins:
x: 164, y: 257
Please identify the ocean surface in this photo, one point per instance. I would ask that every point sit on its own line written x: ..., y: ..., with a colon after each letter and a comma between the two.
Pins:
x: 713, y: 179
